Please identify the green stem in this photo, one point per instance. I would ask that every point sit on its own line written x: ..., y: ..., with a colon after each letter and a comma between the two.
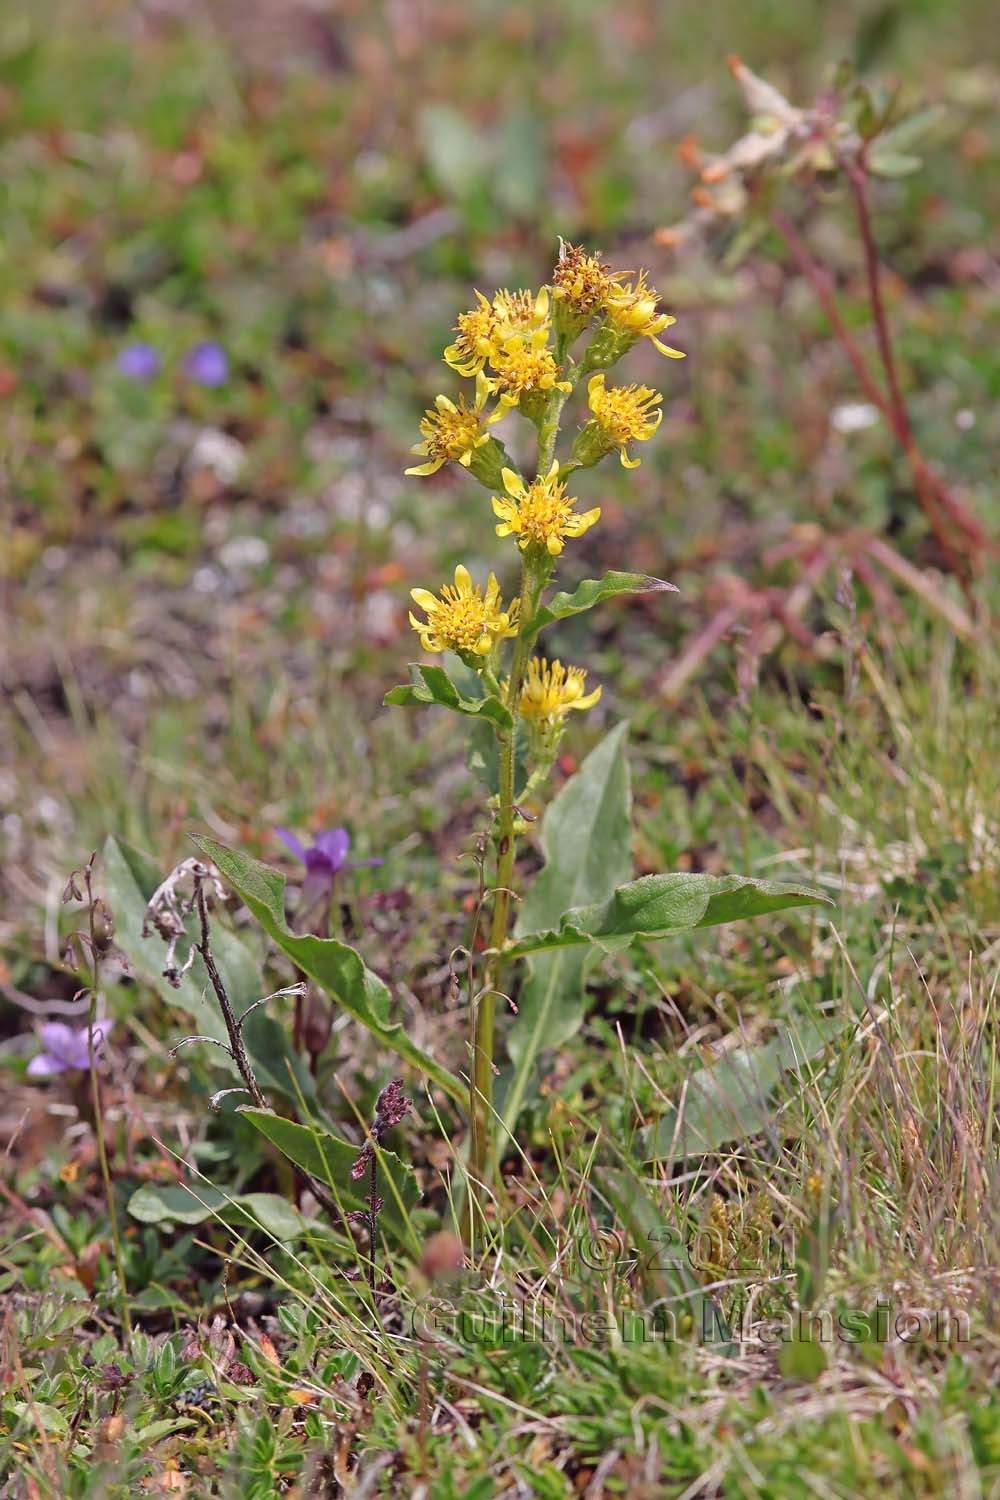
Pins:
x: 481, y: 1086
x: 533, y: 579
x: 548, y: 430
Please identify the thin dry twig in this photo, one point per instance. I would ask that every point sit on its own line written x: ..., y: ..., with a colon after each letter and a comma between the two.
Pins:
x: 165, y: 914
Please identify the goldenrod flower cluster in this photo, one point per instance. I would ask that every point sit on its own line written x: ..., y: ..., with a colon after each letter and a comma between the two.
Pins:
x: 483, y: 333
x: 517, y: 347
x: 540, y: 514
x: 582, y: 281
x: 452, y: 432
x: 550, y: 690
x: 630, y: 313
x: 461, y: 618
x: 622, y: 415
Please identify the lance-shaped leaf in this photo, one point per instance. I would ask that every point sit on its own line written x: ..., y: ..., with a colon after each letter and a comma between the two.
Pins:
x: 593, y: 591
x: 175, y: 1203
x: 329, y: 1159
x: 736, y: 1097
x: 336, y: 966
x: 433, y: 685
x: 585, y: 834
x: 893, y: 163
x: 657, y: 906
x: 130, y: 878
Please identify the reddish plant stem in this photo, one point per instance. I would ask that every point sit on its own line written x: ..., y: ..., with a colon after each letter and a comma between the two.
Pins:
x: 857, y: 177
x: 933, y: 496
x: 821, y: 282
x: 321, y: 927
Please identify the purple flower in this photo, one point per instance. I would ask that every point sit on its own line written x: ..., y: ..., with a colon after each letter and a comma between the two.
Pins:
x: 208, y: 364
x: 65, y: 1048
x: 323, y: 860
x: 138, y: 362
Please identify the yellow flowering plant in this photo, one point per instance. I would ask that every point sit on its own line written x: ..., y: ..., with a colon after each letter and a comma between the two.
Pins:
x: 523, y: 349
x: 526, y: 354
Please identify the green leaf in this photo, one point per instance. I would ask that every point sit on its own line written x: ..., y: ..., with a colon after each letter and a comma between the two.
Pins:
x: 733, y: 1098
x: 893, y: 163
x: 520, y: 163
x: 592, y: 591
x: 752, y: 230
x: 329, y: 1160
x: 482, y: 753
x: 130, y: 878
x: 906, y: 133
x: 40, y: 1414
x: 337, y: 967
x: 455, y: 150
x: 275, y: 1063
x: 585, y: 836
x: 656, y: 906
x: 433, y: 685
x: 802, y: 1359
x: 862, y: 111
x: 175, y: 1203
x: 142, y: 1436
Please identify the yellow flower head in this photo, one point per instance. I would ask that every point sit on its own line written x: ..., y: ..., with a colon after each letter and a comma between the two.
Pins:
x: 476, y: 332
x: 462, y: 618
x: 550, y: 690
x: 521, y: 370
x: 522, y: 315
x: 452, y: 433
x: 623, y: 414
x: 540, y: 514
x: 630, y: 312
x: 581, y: 279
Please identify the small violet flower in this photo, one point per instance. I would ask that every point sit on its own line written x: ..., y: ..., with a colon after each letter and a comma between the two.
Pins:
x: 65, y: 1048
x: 208, y: 364
x: 138, y: 362
x: 323, y: 860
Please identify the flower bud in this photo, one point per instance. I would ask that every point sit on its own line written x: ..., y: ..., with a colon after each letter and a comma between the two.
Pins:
x: 104, y: 927
x: 488, y: 463
x: 581, y: 284
x: 606, y: 349
x: 591, y: 445
x: 534, y: 405
x: 568, y: 322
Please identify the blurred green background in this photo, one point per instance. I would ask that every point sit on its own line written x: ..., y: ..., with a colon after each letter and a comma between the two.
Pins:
x: 316, y: 185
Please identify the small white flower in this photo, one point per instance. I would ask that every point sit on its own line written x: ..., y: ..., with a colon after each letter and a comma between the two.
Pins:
x: 853, y: 416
